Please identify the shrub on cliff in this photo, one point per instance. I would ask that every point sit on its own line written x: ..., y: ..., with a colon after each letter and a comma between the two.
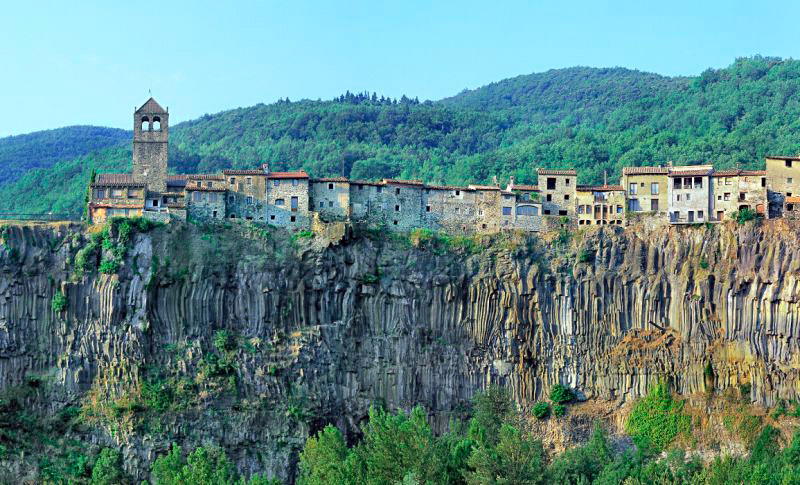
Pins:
x: 59, y: 302
x: 516, y: 459
x: 561, y: 395
x: 206, y: 465
x: 541, y: 410
x: 657, y: 419
x: 108, y: 469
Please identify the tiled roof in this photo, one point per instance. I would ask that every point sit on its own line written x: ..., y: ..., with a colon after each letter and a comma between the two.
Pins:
x: 483, y: 187
x: 783, y: 157
x: 116, y: 206
x: 542, y: 171
x: 204, y: 176
x: 116, y: 180
x: 417, y: 183
x: 753, y: 172
x: 598, y: 188
x: 645, y: 170
x: 364, y: 182
x: 300, y: 174
x: 690, y: 173
x: 533, y: 188
x: 331, y: 179
x: 151, y: 106
x: 245, y: 172
x: 194, y: 188
x: 726, y: 173
x: 448, y: 187
x: 792, y: 200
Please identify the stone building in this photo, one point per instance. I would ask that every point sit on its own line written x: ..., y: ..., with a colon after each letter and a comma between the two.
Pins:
x: 287, y: 199
x: 646, y: 189
x: 601, y: 204
x: 206, y: 197
x: 783, y: 180
x: 246, y: 194
x: 557, y: 188
x: 330, y: 197
x: 151, y: 146
x: 734, y: 190
x: 689, y: 192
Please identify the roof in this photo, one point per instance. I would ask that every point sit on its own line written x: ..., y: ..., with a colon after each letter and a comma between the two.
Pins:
x: 691, y: 173
x: 299, y: 174
x: 448, y: 187
x: 753, y: 172
x: 244, y: 172
x: 116, y: 180
x: 364, y: 182
x: 176, y: 180
x: 331, y: 179
x: 645, y: 170
x: 783, y: 157
x: 792, y: 200
x: 195, y: 188
x: 726, y: 173
x: 151, y: 106
x: 483, y: 187
x: 417, y: 183
x: 116, y: 206
x: 598, y: 188
x: 542, y: 171
x: 534, y: 188
x: 204, y: 176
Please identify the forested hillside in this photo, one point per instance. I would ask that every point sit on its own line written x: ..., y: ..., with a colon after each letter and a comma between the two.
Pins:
x: 595, y: 120
x: 43, y: 149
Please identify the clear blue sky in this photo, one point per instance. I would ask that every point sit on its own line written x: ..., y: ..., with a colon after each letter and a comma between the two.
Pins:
x: 77, y: 62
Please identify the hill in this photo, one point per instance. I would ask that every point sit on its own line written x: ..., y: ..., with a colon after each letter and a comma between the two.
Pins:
x: 43, y: 149
x: 595, y: 120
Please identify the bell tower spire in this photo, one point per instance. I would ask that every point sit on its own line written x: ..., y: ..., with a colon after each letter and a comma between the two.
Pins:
x: 151, y: 145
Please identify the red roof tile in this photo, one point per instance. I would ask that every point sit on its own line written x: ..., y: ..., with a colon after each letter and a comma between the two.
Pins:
x: 726, y: 173
x: 204, y: 176
x: 543, y: 171
x: 245, y: 172
x: 792, y: 200
x: 753, y: 172
x: 300, y: 174
x: 645, y: 170
x: 116, y: 180
x: 690, y: 173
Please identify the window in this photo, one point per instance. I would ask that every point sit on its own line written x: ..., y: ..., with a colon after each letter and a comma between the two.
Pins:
x: 458, y: 192
x: 231, y: 199
x: 99, y: 193
x: 566, y: 196
x: 632, y: 189
x: 728, y: 180
x: 197, y: 196
x: 276, y: 183
x: 294, y: 203
x: 699, y: 214
x: 330, y: 203
x: 788, y: 162
x: 272, y: 217
x: 619, y: 208
x: 678, y: 197
x: 379, y: 189
x: 360, y: 187
x: 688, y: 196
x: 394, y: 222
x: 653, y: 205
x: 116, y: 193
x: 427, y: 208
x: 212, y: 197
x: 742, y: 196
x: 214, y: 214
x: 789, y: 180
x: 249, y: 200
x: 687, y: 183
x: 295, y: 182
x: 719, y: 180
x: 480, y: 212
x: 654, y: 188
x: 551, y: 183
x: 397, y: 208
x: 562, y: 213
x: 727, y: 196
x: 456, y: 210
x: 676, y: 183
x: 546, y: 212
x: 580, y: 209
x: 279, y: 201
x: 690, y: 215
x: 566, y: 182
x: 233, y: 180
x: 789, y: 207
x: 293, y: 219
x: 698, y: 182
x: 209, y: 184
x: 397, y: 191
x: 506, y: 211
x: 145, y: 126
x: 676, y: 215
x: 527, y: 210
x: 719, y: 197
x: 508, y: 197
x: 249, y: 180
x: 330, y: 186
x: 321, y: 204
x: 763, y: 181
x: 549, y: 197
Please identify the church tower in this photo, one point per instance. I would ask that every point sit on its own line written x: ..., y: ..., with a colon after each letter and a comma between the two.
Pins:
x: 151, y: 145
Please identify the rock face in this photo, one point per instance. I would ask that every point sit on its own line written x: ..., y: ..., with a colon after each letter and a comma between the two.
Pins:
x: 251, y: 340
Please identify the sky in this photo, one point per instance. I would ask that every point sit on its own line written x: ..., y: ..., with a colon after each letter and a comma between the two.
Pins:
x: 86, y: 62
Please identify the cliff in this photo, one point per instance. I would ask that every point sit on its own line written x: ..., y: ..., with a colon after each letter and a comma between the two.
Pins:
x: 251, y: 338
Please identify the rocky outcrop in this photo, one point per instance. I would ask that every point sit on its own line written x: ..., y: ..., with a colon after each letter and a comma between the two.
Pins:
x: 251, y: 339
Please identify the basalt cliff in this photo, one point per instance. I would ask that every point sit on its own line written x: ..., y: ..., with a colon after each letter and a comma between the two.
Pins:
x: 252, y: 338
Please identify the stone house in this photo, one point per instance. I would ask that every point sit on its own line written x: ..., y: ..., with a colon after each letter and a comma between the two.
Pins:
x: 206, y: 197
x: 246, y: 194
x: 450, y: 208
x: 783, y: 180
x: 601, y: 204
x: 791, y: 207
x: 287, y: 199
x: 330, y: 197
x: 115, y: 195
x: 689, y: 192
x: 557, y: 189
x: 734, y: 190
x: 646, y: 189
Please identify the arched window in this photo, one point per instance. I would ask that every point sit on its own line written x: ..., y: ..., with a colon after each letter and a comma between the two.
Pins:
x: 145, y: 123
x: 156, y: 123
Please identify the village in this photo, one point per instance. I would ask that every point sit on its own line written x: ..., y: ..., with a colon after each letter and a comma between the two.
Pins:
x: 659, y: 195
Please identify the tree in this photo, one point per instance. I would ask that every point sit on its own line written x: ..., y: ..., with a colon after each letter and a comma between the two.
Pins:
x: 108, y: 468
x: 323, y: 458
x: 491, y: 409
x: 516, y: 460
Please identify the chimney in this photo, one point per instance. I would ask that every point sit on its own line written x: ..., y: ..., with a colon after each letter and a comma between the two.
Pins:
x: 511, y: 181
x: 669, y: 164
x: 605, y: 178
x: 494, y: 181
x: 265, y: 167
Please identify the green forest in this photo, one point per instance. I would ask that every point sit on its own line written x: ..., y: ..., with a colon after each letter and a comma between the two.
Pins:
x: 594, y: 120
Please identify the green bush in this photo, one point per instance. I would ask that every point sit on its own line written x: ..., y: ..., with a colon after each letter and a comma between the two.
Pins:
x: 586, y: 256
x: 559, y: 410
x: 109, y: 266
x: 59, y: 302
x: 744, y: 215
x: 108, y: 468
x: 224, y: 341
x: 657, y: 419
x: 561, y: 395
x: 541, y: 410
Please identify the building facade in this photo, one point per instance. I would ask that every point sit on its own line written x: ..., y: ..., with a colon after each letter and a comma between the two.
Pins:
x: 646, y: 189
x: 689, y: 192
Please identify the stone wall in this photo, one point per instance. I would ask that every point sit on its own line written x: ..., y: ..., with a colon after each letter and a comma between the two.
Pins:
x: 330, y: 198
x: 207, y: 203
x: 280, y: 194
x: 557, y: 193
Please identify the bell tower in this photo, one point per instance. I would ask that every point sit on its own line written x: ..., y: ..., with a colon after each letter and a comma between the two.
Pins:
x: 151, y: 145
